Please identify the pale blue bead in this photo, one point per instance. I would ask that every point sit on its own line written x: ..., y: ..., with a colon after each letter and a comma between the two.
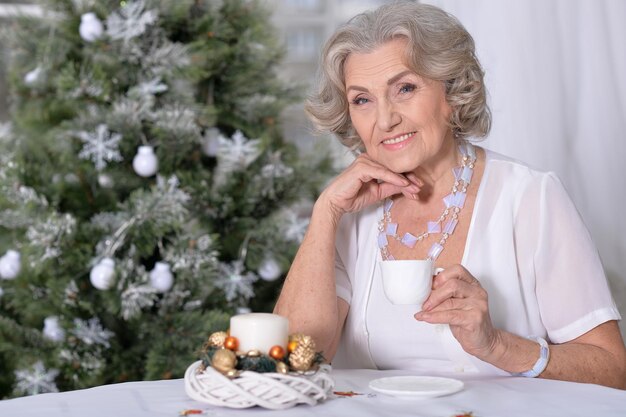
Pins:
x: 409, y: 240
x: 450, y: 225
x: 434, y: 251
x: 471, y: 152
x: 449, y: 200
x: 388, y: 204
x: 457, y: 173
x: 467, y: 174
x: 382, y: 240
x: 391, y: 258
x: 459, y: 199
x: 434, y: 227
x: 392, y: 228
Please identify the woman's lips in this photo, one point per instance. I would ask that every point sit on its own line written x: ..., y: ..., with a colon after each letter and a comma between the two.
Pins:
x: 398, y: 141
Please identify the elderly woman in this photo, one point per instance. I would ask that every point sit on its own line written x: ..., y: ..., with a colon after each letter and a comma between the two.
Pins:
x: 522, y: 290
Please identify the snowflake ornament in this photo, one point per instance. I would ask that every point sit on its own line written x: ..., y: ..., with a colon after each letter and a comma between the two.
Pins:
x: 130, y: 21
x: 294, y: 226
x: 101, y: 146
x: 234, y: 282
x: 91, y: 332
x: 276, y: 168
x: 273, y: 170
x: 36, y: 380
x: 238, y: 152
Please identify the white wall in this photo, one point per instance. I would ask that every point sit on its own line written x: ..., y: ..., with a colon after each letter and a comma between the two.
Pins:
x: 556, y: 72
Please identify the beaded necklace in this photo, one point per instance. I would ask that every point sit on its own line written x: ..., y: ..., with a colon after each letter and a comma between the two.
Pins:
x: 453, y: 203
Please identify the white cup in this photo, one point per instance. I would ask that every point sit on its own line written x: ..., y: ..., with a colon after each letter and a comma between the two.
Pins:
x: 408, y: 282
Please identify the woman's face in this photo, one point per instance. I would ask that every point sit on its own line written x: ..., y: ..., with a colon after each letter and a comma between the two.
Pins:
x: 401, y: 117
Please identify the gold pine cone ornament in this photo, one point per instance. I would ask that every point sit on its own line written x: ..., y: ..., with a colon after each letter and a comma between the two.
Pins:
x: 302, y: 356
x: 216, y: 340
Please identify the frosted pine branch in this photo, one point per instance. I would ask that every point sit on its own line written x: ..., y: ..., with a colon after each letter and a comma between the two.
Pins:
x: 135, y: 298
x: 130, y: 21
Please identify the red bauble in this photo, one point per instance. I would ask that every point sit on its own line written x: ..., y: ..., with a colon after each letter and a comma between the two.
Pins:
x: 277, y: 352
x: 231, y: 343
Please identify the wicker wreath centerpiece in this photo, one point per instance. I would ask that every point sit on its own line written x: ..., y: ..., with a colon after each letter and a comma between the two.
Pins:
x: 278, y: 379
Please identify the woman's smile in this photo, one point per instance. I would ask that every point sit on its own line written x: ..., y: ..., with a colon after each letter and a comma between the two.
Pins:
x: 398, y: 142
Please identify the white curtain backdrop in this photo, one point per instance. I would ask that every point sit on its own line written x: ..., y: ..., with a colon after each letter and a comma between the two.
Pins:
x: 556, y: 74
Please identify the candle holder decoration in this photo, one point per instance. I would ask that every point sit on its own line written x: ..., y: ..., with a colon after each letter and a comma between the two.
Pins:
x: 280, y: 378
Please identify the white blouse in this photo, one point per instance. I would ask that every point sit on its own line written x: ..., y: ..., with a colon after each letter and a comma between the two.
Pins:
x: 526, y: 244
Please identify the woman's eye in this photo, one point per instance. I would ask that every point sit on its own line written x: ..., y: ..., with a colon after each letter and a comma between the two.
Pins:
x: 359, y: 101
x: 407, y: 88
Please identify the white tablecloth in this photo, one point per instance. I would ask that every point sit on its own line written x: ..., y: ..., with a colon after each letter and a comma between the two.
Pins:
x: 484, y: 396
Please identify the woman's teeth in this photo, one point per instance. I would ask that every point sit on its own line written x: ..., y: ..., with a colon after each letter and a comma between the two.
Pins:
x: 398, y: 139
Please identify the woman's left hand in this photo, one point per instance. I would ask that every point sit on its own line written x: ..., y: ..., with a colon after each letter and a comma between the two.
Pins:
x: 458, y: 299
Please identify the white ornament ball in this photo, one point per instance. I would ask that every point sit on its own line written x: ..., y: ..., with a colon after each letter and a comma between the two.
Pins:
x: 52, y: 330
x: 243, y: 310
x: 90, y: 28
x: 270, y: 269
x: 211, y: 142
x: 161, y: 277
x: 145, y: 163
x: 33, y: 76
x: 103, y: 274
x: 10, y: 265
x: 105, y: 181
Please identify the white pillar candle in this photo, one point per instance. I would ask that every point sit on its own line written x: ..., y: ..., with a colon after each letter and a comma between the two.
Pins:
x: 260, y: 331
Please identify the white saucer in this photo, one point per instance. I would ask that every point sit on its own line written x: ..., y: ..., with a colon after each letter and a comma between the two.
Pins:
x: 416, y: 386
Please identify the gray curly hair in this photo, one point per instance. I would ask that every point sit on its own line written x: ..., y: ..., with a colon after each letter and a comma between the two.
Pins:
x: 439, y: 48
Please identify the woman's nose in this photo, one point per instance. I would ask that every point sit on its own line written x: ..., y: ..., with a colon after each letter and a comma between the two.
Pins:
x: 387, y: 117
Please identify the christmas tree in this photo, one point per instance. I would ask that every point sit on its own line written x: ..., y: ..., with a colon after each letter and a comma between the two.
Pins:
x: 146, y: 193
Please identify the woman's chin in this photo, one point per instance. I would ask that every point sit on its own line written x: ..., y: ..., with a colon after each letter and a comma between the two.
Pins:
x: 400, y: 168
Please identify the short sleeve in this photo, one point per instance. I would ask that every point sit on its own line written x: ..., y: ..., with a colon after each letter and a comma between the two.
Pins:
x: 572, y: 291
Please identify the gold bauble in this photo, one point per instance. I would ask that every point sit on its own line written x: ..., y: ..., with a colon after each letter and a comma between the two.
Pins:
x: 282, y: 368
x: 254, y: 353
x: 233, y: 373
x: 216, y: 339
x: 224, y: 360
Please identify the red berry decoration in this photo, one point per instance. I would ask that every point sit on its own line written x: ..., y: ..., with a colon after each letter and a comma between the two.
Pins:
x: 277, y: 352
x: 231, y: 343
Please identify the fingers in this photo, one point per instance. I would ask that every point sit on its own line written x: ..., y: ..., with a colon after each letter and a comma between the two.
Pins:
x: 454, y: 283
x: 413, y: 178
x: 369, y: 170
x: 455, y: 272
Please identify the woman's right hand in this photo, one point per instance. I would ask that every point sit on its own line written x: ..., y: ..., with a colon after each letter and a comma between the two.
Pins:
x: 366, y: 182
